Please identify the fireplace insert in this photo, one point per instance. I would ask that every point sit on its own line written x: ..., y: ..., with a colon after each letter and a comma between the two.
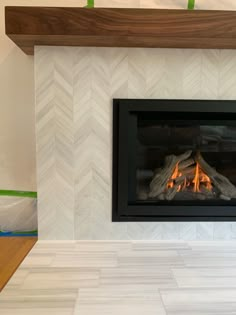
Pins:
x: 174, y: 160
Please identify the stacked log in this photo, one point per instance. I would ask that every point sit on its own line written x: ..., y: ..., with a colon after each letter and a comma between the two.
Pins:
x: 225, y: 187
x: 164, y: 187
x: 161, y: 177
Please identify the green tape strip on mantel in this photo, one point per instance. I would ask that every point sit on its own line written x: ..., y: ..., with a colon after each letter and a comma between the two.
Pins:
x: 17, y: 193
x: 90, y: 4
x: 191, y: 4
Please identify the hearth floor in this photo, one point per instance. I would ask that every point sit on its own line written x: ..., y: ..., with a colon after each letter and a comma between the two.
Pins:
x: 119, y: 278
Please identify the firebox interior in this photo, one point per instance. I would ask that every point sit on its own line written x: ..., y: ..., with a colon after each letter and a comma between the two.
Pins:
x: 161, y: 140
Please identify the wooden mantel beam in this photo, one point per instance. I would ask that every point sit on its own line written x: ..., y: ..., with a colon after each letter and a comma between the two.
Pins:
x: 105, y: 27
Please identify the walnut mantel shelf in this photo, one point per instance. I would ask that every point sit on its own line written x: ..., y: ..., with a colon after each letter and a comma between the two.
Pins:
x: 54, y: 26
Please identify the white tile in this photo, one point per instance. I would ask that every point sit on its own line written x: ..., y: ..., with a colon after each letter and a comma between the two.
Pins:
x: 85, y: 259
x: 199, y: 301
x: 205, y: 277
x: 124, y: 278
x: 209, y: 258
x: 62, y: 278
x: 149, y: 258
x: 118, y: 301
x: 74, y: 92
x: 138, y: 276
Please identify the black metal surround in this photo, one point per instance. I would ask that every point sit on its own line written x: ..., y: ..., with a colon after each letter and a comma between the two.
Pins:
x: 125, y: 210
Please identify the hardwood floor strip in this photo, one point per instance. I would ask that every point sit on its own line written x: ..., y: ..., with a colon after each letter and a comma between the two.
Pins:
x: 13, y: 250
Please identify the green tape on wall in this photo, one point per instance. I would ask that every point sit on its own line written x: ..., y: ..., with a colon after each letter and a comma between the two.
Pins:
x: 191, y: 4
x: 17, y: 193
x: 90, y: 4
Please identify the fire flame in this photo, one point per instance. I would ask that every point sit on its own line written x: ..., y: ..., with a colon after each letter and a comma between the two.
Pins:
x: 197, y: 181
x: 175, y: 174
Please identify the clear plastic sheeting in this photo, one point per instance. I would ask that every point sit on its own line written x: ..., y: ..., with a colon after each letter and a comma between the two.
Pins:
x: 18, y: 214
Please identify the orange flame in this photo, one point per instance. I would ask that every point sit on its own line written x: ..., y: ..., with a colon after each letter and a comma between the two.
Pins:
x: 207, y: 181
x: 200, y: 180
x: 196, y: 179
x: 175, y: 174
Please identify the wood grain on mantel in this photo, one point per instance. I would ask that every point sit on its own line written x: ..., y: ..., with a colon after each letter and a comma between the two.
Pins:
x: 54, y: 26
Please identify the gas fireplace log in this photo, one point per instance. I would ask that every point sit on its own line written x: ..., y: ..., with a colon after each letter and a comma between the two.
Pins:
x: 161, y: 178
x: 191, y: 195
x: 222, y: 183
x: 188, y: 170
x: 156, y: 171
x: 179, y: 179
x: 184, y: 164
x: 171, y: 192
x: 208, y: 193
x: 188, y: 195
x: 223, y: 197
x: 187, y: 173
x: 161, y: 197
x: 142, y: 193
x: 188, y: 177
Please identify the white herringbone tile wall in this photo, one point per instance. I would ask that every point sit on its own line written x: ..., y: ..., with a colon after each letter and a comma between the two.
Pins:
x: 74, y: 92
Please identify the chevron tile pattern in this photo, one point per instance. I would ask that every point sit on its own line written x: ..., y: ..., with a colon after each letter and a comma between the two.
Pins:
x: 74, y: 92
x: 55, y: 143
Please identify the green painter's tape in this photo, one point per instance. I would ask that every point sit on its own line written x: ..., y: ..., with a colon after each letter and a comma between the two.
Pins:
x: 19, y: 234
x: 17, y: 193
x: 90, y: 4
x: 191, y: 4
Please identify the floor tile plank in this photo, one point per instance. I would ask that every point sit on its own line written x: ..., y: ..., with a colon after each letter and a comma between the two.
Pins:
x: 116, y: 302
x: 205, y: 277
x: 124, y: 278
x: 199, y: 301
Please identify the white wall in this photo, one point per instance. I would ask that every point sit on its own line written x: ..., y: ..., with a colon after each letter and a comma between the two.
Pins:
x: 17, y: 119
x: 169, y: 4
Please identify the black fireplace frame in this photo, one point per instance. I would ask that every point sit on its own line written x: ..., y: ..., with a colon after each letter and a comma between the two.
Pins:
x: 121, y: 209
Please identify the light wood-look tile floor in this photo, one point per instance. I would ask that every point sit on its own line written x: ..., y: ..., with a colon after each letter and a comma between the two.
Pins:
x: 124, y: 278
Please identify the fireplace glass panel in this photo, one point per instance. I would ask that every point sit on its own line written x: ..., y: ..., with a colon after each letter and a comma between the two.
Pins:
x: 182, y: 158
x: 174, y: 160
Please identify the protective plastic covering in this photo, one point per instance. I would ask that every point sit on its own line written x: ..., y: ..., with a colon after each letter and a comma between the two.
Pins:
x: 18, y: 214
